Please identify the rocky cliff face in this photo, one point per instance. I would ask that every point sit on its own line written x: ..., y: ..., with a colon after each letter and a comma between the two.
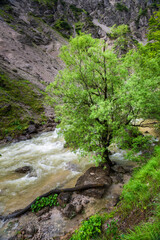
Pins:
x: 29, y: 61
x: 135, y: 13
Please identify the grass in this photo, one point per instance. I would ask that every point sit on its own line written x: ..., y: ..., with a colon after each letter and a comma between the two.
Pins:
x: 20, y: 102
x: 137, y: 216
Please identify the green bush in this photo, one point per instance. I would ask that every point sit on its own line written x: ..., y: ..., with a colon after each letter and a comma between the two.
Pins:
x: 89, y: 229
x: 112, y: 231
x: 79, y: 26
x: 62, y: 24
x: 121, y: 7
x: 132, y: 138
x: 44, y: 202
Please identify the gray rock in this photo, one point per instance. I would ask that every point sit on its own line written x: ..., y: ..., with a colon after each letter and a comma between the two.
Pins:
x: 30, y: 229
x: 22, y: 138
x: 64, y: 198
x: 32, y: 129
x: 79, y: 208
x: 95, y: 175
x: 9, y: 138
x: 24, y: 169
x: 118, y: 169
x: 42, y: 211
x: 69, y: 211
x: 72, y: 167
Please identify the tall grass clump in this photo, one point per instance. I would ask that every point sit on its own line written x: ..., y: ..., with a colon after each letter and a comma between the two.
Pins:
x: 143, y: 185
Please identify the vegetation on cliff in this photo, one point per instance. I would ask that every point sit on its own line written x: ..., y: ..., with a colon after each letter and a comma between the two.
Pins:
x: 20, y: 103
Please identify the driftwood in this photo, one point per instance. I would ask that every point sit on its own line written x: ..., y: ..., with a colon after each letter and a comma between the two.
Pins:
x: 54, y: 191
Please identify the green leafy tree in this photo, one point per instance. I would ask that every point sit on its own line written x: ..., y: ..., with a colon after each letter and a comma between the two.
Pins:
x: 98, y: 93
x: 122, y: 38
x: 154, y: 34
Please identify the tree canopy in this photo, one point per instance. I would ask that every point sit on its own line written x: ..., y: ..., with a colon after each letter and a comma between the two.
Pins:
x: 99, y: 93
x: 154, y: 34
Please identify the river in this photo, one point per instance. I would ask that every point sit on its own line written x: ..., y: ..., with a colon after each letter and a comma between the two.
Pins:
x: 53, y: 166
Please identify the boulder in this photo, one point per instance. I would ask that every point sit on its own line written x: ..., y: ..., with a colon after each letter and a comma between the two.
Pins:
x: 24, y: 169
x: 72, y: 166
x: 64, y: 198
x: 32, y: 129
x: 69, y: 211
x: 95, y: 175
x: 9, y: 139
x: 118, y: 169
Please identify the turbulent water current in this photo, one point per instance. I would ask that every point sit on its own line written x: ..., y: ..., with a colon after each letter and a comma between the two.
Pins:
x: 53, y: 166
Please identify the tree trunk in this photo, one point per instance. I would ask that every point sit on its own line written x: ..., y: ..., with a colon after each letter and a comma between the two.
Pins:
x: 106, y: 158
x: 106, y: 139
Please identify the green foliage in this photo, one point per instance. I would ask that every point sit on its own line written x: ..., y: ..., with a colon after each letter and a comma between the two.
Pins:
x: 144, y: 184
x: 112, y: 232
x: 119, y: 31
x: 140, y: 196
x: 149, y: 230
x: 44, y: 202
x: 78, y: 27
x: 121, y: 34
x: 146, y: 231
x: 121, y: 7
x: 89, y: 229
x: 131, y: 138
x: 62, y: 24
x: 142, y: 12
x: 18, y: 96
x: 154, y: 34
x: 98, y: 93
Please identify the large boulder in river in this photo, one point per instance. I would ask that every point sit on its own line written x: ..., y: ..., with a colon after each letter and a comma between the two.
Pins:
x: 25, y: 169
x: 95, y: 175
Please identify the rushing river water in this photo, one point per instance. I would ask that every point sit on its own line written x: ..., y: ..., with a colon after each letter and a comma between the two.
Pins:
x: 53, y: 166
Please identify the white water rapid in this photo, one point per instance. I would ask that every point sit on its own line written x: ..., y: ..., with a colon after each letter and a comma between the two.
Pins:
x: 53, y: 166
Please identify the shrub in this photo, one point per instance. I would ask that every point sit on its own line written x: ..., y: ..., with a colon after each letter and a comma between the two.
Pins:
x: 89, y: 229
x: 62, y: 24
x: 121, y: 7
x: 44, y: 202
x: 112, y: 231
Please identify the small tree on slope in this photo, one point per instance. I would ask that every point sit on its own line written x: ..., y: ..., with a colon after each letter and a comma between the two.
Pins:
x: 98, y: 93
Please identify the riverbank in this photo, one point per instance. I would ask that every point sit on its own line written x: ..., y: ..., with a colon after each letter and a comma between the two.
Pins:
x: 60, y: 222
x: 137, y: 214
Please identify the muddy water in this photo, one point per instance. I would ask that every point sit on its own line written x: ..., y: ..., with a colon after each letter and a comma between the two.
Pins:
x: 53, y: 166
